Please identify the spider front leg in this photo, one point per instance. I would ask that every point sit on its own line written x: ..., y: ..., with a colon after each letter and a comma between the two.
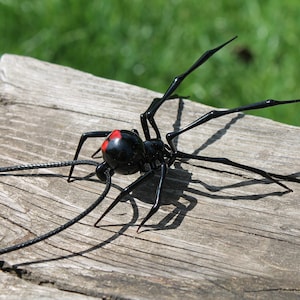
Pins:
x: 220, y: 113
x: 83, y: 138
x: 148, y: 115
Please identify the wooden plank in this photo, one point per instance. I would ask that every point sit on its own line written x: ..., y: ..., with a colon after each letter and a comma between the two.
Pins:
x: 221, y: 233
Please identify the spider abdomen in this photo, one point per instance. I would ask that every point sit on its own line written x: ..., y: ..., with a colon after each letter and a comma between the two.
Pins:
x: 124, y: 151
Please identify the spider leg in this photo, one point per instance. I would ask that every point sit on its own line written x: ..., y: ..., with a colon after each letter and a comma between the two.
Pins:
x: 216, y: 114
x: 144, y: 117
x: 219, y: 113
x: 148, y: 115
x: 83, y: 138
x: 125, y: 192
x: 228, y: 162
x: 157, y: 202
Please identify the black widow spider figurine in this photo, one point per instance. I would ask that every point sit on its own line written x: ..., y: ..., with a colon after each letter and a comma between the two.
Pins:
x: 124, y: 152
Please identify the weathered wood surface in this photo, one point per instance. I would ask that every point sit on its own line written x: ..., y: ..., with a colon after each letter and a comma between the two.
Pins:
x: 221, y: 233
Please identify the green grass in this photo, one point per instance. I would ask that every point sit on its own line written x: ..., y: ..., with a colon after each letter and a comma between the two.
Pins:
x: 147, y: 43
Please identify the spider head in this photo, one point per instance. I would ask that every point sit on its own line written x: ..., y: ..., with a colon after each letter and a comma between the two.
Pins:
x: 154, y: 150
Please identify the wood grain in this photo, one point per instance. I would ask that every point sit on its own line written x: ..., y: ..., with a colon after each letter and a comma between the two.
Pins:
x: 221, y: 233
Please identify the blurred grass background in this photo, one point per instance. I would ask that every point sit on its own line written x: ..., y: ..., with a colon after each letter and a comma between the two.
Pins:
x: 147, y: 43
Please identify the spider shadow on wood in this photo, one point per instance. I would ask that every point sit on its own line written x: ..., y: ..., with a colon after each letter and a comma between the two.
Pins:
x: 179, y: 178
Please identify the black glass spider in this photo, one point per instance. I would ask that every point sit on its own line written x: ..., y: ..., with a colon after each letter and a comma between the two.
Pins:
x: 124, y: 152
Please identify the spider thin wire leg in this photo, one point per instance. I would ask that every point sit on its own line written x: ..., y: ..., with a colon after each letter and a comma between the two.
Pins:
x: 64, y: 226
x: 47, y: 165
x: 157, y: 202
x: 148, y: 115
x: 228, y: 162
x: 125, y: 192
x: 83, y: 138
